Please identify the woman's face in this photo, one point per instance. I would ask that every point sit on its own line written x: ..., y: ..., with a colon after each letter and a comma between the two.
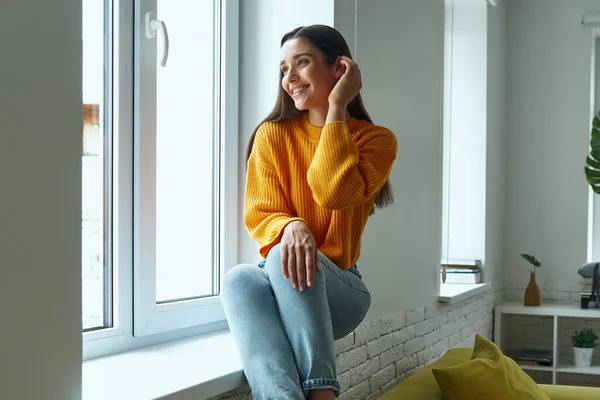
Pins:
x: 306, y: 78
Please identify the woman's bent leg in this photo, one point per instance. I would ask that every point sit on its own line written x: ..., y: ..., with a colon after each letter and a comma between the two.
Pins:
x: 257, y: 328
x: 330, y: 309
x: 307, y: 323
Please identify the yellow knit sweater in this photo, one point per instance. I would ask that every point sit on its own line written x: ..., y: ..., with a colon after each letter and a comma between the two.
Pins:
x: 327, y: 177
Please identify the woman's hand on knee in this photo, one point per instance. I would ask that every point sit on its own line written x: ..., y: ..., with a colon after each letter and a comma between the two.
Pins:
x: 299, y: 254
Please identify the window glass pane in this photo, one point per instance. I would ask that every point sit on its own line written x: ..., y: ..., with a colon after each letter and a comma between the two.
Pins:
x: 93, y: 167
x: 184, y: 151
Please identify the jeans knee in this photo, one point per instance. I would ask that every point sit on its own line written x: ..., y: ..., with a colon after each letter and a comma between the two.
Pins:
x: 273, y: 262
x: 239, y: 278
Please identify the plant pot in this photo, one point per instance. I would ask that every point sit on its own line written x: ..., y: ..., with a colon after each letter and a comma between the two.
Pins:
x: 532, y: 292
x: 583, y: 356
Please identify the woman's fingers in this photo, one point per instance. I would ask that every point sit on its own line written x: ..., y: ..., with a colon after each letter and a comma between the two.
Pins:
x: 352, y: 71
x: 299, y: 255
x: 316, y: 258
x: 310, y: 266
x: 351, y: 66
x: 284, y: 261
x: 301, y: 267
x: 291, y: 265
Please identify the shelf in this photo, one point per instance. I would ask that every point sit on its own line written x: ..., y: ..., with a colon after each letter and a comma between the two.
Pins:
x: 535, y: 367
x: 556, y: 311
x: 564, y: 368
x: 548, y: 309
x: 593, y: 370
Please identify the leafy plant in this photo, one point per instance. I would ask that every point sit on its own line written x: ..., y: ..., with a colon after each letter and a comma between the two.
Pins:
x: 533, y: 261
x: 592, y: 168
x: 585, y: 338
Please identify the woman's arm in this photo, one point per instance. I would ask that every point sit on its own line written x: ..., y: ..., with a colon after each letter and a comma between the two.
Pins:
x: 265, y: 209
x: 342, y: 174
x: 269, y: 220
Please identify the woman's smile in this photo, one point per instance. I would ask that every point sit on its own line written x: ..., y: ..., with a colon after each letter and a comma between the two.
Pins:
x: 296, y: 89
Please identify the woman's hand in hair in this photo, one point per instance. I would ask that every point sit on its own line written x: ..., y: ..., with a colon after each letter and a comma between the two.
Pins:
x: 349, y: 83
x: 299, y: 255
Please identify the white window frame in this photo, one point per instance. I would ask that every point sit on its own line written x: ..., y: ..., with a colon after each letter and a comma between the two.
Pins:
x: 594, y: 199
x: 137, y: 320
x: 451, y: 220
x: 453, y: 192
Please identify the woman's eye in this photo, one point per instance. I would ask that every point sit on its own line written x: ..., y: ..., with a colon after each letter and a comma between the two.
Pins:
x: 284, y: 70
x: 302, y: 61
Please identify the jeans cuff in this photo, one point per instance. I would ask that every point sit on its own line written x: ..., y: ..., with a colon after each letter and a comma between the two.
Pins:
x: 321, y: 384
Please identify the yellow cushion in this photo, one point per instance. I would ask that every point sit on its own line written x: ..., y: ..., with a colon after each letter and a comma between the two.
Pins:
x: 487, y: 375
x: 421, y: 385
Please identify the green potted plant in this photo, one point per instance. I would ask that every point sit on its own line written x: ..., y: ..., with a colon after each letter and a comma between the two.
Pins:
x: 532, y: 291
x: 584, y: 342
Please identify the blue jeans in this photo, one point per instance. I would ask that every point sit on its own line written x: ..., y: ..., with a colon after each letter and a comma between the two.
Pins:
x: 285, y: 336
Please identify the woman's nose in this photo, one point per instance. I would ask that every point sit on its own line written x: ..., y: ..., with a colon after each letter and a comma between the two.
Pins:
x: 292, y: 74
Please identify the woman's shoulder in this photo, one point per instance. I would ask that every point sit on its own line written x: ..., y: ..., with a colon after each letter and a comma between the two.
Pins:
x: 364, y: 130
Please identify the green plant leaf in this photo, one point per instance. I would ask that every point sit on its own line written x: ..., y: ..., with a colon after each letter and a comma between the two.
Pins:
x: 593, y: 179
x: 585, y: 338
x: 531, y: 260
x: 592, y: 168
x: 596, y: 121
x: 593, y: 163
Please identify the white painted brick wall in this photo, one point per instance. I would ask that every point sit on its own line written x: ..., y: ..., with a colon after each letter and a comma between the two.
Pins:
x: 414, y: 316
x: 389, y: 350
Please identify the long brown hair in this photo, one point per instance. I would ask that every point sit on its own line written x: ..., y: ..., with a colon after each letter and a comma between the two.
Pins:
x: 331, y: 44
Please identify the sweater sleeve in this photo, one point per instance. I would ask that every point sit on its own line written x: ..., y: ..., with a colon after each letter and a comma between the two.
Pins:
x: 266, y: 213
x: 343, y: 173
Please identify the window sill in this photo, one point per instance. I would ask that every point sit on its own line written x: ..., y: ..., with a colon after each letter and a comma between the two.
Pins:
x: 451, y: 293
x: 199, y: 367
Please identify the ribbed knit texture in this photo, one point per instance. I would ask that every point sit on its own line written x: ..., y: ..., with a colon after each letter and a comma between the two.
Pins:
x: 327, y: 177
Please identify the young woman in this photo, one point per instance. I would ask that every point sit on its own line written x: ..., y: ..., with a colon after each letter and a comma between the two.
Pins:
x: 316, y: 169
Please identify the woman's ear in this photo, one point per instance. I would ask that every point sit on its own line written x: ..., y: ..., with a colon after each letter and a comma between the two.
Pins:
x: 340, y: 68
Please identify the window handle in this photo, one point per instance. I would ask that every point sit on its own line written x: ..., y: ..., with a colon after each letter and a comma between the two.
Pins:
x: 153, y: 25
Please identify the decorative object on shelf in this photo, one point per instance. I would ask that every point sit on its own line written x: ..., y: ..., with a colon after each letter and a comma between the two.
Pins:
x: 590, y: 295
x: 461, y: 271
x: 532, y: 291
x: 583, y: 342
x: 470, y: 271
x: 533, y: 357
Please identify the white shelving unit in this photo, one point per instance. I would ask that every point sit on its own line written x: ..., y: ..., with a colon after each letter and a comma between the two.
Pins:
x: 555, y: 310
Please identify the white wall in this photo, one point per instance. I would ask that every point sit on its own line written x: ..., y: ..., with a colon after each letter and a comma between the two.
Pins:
x: 400, y: 48
x: 262, y: 25
x: 549, y: 75
x: 344, y: 22
x: 495, y: 209
x: 465, y: 85
x: 40, y: 201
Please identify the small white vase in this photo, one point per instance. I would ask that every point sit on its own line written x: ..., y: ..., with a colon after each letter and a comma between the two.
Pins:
x: 583, y: 356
